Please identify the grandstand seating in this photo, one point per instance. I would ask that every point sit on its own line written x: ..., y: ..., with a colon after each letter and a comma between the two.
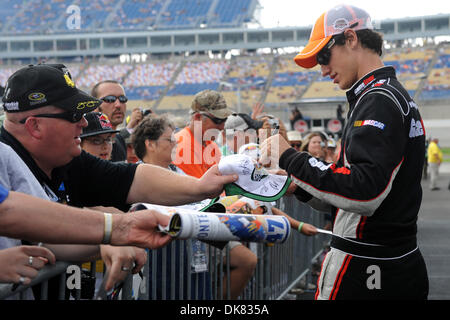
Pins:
x: 151, y: 74
x: 438, y: 82
x: 411, y: 65
x: 289, y: 81
x: 8, y: 9
x: 185, y: 14
x: 250, y: 74
x: 174, y: 83
x: 37, y: 16
x: 98, y: 72
x: 198, y: 72
x: 194, y: 77
x: 147, y: 81
x: 323, y: 88
x: 231, y: 12
x: 5, y: 72
x: 136, y: 14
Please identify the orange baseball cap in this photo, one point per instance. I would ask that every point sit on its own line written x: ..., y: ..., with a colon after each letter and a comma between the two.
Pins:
x: 330, y: 23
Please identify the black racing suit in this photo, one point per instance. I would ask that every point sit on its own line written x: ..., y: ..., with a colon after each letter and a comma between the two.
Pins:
x: 374, y: 192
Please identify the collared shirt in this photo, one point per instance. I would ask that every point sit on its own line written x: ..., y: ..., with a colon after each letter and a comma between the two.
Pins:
x: 193, y: 157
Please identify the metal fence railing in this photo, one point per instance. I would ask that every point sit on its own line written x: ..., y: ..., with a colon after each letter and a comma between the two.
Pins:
x: 169, y: 275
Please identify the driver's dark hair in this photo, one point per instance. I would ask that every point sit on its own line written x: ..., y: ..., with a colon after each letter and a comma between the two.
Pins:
x: 368, y: 38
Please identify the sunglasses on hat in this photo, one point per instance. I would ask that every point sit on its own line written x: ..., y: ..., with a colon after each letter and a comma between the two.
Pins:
x: 68, y: 116
x: 111, y: 99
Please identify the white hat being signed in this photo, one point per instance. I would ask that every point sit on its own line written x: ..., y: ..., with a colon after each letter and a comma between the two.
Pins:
x: 254, y: 182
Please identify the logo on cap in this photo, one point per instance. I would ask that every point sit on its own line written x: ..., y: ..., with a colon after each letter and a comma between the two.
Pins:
x: 13, y: 105
x: 36, y: 98
x: 341, y: 24
x: 69, y: 81
x: 86, y: 104
x: 104, y: 121
x: 258, y: 174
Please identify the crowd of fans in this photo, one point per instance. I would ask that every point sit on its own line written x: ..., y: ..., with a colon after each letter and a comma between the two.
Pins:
x: 153, y: 139
x: 61, y: 145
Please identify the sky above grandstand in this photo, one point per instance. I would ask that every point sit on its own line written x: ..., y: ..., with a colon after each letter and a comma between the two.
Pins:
x: 283, y: 13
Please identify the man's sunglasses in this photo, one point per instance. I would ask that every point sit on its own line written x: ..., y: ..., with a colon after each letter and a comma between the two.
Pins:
x: 214, y: 119
x: 324, y: 55
x: 68, y: 116
x: 111, y: 99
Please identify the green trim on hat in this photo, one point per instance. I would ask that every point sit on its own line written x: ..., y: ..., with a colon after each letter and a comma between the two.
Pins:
x: 233, y: 189
x: 212, y: 206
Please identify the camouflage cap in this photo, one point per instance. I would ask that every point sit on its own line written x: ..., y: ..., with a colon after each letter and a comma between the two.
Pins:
x: 211, y: 101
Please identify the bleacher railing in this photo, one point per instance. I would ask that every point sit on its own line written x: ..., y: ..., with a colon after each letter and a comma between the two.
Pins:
x: 280, y: 267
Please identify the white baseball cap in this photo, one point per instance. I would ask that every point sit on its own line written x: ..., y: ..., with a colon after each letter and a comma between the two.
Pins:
x: 254, y: 182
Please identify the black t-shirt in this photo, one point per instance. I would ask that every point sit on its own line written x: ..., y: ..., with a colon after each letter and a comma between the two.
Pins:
x: 90, y: 181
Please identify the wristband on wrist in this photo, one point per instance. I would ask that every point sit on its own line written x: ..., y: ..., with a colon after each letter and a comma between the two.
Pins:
x: 107, y: 229
x: 300, y: 226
